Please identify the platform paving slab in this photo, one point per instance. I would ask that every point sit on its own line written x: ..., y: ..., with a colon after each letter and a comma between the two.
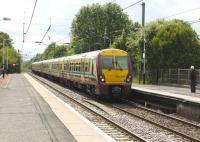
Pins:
x: 26, y: 117
x: 82, y: 129
x: 4, y: 81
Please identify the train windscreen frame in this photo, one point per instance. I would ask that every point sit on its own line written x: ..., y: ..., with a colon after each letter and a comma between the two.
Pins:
x: 114, y: 62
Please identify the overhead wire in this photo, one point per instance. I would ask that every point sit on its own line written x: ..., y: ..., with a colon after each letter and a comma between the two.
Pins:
x: 45, y: 34
x: 132, y: 5
x: 179, y: 13
x: 194, y: 21
x: 31, y: 17
x: 25, y: 33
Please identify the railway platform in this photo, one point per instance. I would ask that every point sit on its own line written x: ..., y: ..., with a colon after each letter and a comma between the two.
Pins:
x: 181, y: 93
x: 29, y: 112
x: 176, y: 99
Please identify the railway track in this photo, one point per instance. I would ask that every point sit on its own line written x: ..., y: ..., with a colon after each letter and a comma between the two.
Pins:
x: 110, y: 127
x: 180, y: 127
x: 161, y: 114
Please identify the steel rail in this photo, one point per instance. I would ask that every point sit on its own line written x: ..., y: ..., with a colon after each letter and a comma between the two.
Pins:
x: 158, y: 113
x: 87, y: 108
x: 154, y: 123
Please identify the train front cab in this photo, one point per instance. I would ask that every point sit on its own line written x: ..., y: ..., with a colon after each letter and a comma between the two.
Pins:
x: 114, y: 73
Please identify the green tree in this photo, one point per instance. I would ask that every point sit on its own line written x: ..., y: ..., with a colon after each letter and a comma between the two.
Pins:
x: 95, y: 27
x: 5, y: 40
x: 55, y: 51
x: 171, y: 44
x: 52, y: 51
x: 13, y: 56
x: 49, y: 52
x: 131, y: 43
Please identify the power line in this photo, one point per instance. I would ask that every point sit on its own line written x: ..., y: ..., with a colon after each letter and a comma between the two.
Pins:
x: 31, y: 17
x: 186, y: 11
x: 45, y: 33
x: 25, y: 33
x: 194, y: 21
x: 132, y: 5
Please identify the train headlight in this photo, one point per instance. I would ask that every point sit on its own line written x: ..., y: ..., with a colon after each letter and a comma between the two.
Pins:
x: 128, y: 78
x: 102, y: 78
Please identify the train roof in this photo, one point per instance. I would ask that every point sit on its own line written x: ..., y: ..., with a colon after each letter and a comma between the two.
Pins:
x: 91, y: 54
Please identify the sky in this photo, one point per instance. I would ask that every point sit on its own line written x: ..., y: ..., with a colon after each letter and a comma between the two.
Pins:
x: 60, y: 13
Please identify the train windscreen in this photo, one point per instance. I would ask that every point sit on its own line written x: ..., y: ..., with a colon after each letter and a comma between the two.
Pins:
x: 117, y: 62
x: 121, y: 62
x: 107, y: 62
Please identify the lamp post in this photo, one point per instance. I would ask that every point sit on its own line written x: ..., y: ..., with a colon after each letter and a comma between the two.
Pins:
x: 144, y: 50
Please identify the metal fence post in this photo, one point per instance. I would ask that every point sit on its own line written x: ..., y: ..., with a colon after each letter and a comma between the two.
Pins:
x: 188, y: 77
x: 178, y: 78
x: 169, y: 76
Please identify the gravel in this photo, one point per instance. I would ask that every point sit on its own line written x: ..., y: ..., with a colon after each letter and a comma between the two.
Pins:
x: 144, y: 129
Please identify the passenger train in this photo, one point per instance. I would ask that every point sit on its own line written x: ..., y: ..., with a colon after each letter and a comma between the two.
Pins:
x: 105, y: 73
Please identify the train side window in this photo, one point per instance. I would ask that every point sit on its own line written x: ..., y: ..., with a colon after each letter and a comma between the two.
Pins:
x: 73, y: 66
x: 79, y: 66
x: 83, y: 66
x: 86, y: 66
x: 92, y: 67
x: 67, y: 66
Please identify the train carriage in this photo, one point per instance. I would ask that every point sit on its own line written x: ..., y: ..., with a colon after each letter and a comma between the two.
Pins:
x: 106, y: 73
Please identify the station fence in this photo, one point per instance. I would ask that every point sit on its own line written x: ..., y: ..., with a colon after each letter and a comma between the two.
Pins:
x: 171, y: 76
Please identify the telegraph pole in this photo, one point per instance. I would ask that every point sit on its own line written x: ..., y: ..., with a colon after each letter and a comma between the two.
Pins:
x: 144, y: 50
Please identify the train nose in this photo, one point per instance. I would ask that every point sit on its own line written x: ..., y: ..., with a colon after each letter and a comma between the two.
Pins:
x: 115, y: 76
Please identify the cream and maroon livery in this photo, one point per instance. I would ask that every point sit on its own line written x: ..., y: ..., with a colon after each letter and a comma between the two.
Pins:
x: 106, y: 73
